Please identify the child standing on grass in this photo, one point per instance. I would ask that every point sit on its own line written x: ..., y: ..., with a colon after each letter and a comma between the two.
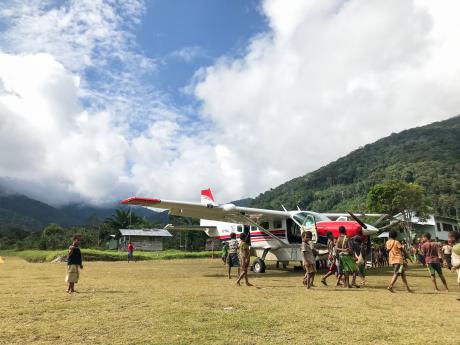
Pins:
x: 396, y: 258
x: 432, y: 254
x: 232, y: 256
x: 74, y: 262
x: 308, y: 259
x: 245, y: 257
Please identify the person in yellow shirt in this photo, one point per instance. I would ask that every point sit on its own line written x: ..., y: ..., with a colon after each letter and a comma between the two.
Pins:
x: 396, y: 257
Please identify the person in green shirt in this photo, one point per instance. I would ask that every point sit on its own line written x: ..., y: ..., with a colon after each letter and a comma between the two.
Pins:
x: 245, y: 256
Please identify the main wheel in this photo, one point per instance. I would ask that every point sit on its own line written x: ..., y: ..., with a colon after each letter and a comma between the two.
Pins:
x: 259, y: 266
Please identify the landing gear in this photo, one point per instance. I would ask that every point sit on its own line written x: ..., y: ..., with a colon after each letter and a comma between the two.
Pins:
x: 259, y: 266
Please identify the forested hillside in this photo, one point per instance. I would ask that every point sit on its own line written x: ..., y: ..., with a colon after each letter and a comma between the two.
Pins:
x: 428, y: 155
x: 31, y: 215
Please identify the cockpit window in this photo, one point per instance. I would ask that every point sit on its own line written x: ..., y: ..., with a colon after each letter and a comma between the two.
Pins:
x: 308, y: 218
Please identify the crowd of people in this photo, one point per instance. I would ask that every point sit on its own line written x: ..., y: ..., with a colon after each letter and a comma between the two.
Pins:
x: 346, y: 260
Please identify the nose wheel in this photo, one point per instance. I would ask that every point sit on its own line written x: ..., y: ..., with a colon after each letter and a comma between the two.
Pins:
x: 259, y: 266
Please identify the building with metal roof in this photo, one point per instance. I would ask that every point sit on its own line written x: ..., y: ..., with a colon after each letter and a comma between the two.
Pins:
x: 143, y: 239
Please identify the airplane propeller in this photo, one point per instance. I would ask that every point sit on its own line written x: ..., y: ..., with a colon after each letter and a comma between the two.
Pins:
x: 359, y: 221
x: 381, y: 219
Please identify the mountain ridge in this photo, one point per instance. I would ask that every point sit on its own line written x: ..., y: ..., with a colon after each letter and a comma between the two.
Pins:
x: 428, y: 155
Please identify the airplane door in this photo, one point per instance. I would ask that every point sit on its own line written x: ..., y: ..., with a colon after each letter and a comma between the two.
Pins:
x: 247, y: 231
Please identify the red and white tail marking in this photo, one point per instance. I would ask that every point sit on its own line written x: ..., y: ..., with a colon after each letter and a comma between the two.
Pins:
x: 207, y: 198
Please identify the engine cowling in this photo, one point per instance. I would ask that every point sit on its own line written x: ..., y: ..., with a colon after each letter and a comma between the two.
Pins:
x: 228, y: 207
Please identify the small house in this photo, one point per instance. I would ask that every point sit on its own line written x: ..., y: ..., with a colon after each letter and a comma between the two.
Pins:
x: 143, y: 239
x: 438, y: 226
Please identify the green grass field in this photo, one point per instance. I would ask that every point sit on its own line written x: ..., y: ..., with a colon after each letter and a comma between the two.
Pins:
x: 191, y: 302
x: 106, y: 255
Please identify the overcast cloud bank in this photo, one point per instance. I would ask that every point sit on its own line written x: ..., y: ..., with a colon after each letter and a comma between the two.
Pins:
x: 78, y: 122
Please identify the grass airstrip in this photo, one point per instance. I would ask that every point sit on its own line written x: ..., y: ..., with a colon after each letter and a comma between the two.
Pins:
x: 190, y: 301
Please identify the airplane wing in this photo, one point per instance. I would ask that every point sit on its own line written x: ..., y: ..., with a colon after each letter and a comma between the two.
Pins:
x: 224, y: 213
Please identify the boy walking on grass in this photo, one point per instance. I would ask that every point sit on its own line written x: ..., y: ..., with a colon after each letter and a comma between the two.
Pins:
x: 245, y: 257
x: 432, y: 254
x: 396, y: 258
x: 308, y: 259
x: 74, y: 263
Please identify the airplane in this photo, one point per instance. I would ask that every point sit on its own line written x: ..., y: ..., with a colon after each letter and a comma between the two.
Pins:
x: 273, y: 235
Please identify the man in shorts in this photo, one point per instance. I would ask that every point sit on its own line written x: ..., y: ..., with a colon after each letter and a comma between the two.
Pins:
x: 232, y: 256
x: 74, y: 262
x: 432, y: 254
x: 308, y: 259
x: 396, y: 258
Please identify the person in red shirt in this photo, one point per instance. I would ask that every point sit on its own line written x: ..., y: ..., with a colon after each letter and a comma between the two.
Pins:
x: 131, y: 252
x: 431, y: 252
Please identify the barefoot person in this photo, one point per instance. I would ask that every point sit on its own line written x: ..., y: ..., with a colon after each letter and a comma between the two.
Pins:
x: 396, y: 258
x: 347, y: 261
x: 232, y: 255
x: 308, y: 259
x: 74, y: 262
x: 432, y: 254
x: 245, y: 257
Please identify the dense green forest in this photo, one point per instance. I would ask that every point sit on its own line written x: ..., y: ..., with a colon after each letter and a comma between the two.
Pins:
x: 428, y: 156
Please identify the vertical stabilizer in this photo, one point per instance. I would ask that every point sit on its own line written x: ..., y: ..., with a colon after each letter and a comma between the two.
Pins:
x: 207, y: 198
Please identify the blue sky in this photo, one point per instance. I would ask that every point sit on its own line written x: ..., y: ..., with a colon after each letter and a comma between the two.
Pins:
x: 102, y: 99
x: 211, y: 28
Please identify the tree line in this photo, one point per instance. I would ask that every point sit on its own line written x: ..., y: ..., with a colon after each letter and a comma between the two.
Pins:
x: 97, y: 233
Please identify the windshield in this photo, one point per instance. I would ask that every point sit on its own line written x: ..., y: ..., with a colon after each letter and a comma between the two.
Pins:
x: 302, y: 218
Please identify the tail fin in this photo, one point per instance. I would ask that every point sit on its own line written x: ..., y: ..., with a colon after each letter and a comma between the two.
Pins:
x: 207, y: 198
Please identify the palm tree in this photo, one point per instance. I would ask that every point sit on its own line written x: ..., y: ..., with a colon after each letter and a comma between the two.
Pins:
x: 123, y: 220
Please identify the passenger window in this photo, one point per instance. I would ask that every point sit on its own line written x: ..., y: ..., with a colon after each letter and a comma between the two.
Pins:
x: 239, y: 228
x: 277, y: 224
x: 253, y: 228
x: 265, y: 225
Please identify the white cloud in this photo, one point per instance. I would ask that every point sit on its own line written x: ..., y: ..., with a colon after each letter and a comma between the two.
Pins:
x: 331, y: 76
x: 79, y: 121
x: 188, y: 54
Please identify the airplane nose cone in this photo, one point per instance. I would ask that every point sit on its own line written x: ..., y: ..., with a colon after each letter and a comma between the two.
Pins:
x: 371, y: 230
